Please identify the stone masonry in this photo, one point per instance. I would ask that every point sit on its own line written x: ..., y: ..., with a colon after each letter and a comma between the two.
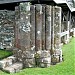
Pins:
x: 37, y: 39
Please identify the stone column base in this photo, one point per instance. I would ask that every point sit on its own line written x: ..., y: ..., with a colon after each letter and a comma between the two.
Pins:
x: 56, y: 57
x: 43, y: 58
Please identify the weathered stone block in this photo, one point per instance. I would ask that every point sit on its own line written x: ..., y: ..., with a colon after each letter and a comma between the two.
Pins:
x: 45, y: 60
x: 58, y: 52
x: 29, y: 62
x: 29, y: 54
x: 5, y: 62
x: 55, y: 59
x: 43, y: 53
x: 9, y: 70
x: 14, y: 59
x: 14, y: 68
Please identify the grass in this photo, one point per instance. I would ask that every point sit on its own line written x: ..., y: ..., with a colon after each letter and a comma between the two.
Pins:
x: 4, y: 53
x: 66, y: 67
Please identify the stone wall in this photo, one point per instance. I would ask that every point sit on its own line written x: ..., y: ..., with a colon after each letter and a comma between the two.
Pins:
x: 6, y: 29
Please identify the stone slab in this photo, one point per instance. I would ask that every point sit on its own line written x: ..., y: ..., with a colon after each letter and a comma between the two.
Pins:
x: 5, y: 62
x: 14, y: 59
x: 16, y: 67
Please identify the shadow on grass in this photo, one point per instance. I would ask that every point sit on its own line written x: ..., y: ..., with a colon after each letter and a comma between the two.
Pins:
x: 5, y: 53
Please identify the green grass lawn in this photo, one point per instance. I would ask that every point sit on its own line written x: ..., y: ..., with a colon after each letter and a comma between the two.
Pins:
x: 64, y: 68
x: 4, y: 53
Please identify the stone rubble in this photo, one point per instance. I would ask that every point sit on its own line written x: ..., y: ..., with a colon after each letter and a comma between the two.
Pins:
x: 5, y: 62
x: 43, y: 58
x: 16, y: 67
x: 10, y: 65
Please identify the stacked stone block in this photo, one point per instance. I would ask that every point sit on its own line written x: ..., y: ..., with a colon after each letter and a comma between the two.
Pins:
x: 7, y: 62
x: 14, y: 68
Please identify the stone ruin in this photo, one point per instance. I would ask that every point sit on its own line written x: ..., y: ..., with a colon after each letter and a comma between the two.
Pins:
x: 37, y: 39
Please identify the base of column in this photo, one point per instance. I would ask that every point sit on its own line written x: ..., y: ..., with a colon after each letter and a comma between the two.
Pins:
x: 56, y: 57
x: 43, y: 58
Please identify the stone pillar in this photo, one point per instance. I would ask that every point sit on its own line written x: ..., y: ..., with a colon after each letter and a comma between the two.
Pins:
x: 57, y: 56
x: 43, y: 27
x: 17, y: 35
x: 52, y: 30
x: 25, y: 53
x: 68, y: 23
x: 48, y: 27
x: 70, y: 27
x: 28, y: 53
x: 65, y: 27
x: 32, y: 33
x: 32, y: 28
x: 38, y: 27
x: 38, y: 33
x: 25, y: 25
x: 43, y: 57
